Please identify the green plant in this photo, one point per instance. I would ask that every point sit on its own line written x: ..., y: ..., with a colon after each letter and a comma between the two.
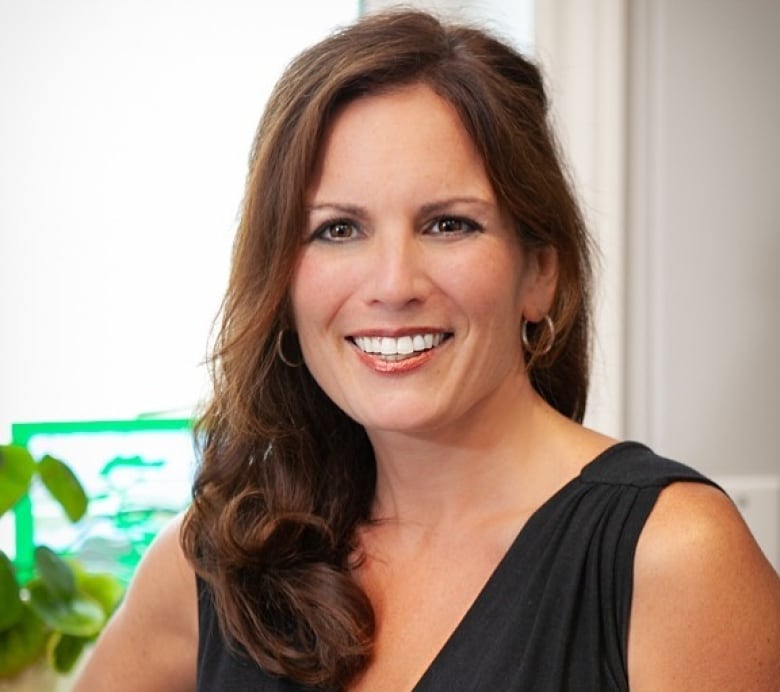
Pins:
x: 54, y: 613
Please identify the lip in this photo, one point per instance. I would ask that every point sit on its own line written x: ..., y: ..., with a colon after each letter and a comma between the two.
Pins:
x: 391, y: 363
x: 396, y: 367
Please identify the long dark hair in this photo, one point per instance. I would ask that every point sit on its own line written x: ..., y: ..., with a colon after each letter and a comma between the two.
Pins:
x: 286, y: 476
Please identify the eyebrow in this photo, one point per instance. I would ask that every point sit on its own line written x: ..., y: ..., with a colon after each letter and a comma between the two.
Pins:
x: 443, y: 205
x: 350, y: 209
x: 426, y: 209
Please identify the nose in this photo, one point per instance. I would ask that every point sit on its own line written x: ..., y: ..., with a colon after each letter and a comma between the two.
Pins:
x: 399, y: 275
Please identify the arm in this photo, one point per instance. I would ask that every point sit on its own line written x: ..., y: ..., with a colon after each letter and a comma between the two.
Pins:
x: 151, y: 642
x: 706, y: 608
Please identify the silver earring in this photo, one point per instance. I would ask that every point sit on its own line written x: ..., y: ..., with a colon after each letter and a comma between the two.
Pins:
x: 280, y: 351
x: 544, y: 344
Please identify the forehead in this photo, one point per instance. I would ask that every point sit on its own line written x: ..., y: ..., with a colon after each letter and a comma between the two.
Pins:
x: 409, y: 133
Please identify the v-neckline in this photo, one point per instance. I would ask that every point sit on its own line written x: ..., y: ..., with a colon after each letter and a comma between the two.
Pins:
x: 506, y: 562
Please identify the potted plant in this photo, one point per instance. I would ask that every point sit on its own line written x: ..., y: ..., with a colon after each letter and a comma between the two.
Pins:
x: 49, y: 615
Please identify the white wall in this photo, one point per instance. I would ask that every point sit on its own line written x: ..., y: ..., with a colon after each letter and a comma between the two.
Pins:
x: 703, y: 318
x: 582, y: 49
x: 704, y: 232
x: 124, y: 131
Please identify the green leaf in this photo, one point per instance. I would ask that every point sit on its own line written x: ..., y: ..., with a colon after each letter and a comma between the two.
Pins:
x: 63, y: 650
x: 106, y: 589
x: 16, y: 470
x: 22, y: 645
x: 10, y: 601
x: 63, y: 485
x: 80, y: 616
x: 55, y: 573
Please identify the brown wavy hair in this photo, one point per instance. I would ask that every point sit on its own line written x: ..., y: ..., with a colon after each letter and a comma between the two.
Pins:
x: 286, y: 477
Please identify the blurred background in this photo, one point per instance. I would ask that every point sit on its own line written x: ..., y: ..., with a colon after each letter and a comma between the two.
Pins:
x: 125, y: 129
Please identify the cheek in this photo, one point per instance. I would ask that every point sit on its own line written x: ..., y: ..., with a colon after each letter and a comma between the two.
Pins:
x: 317, y: 291
x: 300, y: 288
x: 305, y: 293
x: 492, y: 287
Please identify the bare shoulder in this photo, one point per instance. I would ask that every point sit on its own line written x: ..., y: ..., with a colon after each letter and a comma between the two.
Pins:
x: 706, y: 608
x: 152, y: 639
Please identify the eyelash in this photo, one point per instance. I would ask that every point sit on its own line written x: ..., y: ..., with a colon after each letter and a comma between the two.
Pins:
x: 465, y: 226
x: 322, y: 231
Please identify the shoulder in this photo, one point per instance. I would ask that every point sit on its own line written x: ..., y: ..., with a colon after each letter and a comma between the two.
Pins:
x: 151, y: 642
x: 634, y: 464
x: 705, y: 613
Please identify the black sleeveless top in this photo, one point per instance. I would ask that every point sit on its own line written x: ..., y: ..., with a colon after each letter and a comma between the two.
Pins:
x: 554, y: 614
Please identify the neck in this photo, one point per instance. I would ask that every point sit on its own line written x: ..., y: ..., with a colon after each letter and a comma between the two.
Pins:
x: 502, y: 458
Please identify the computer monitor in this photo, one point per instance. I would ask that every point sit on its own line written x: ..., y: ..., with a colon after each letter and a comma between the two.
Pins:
x: 137, y: 475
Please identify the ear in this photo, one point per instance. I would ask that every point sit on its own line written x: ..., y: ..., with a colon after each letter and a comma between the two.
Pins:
x: 542, y: 282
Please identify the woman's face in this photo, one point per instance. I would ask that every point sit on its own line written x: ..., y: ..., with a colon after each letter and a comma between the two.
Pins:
x: 410, y: 289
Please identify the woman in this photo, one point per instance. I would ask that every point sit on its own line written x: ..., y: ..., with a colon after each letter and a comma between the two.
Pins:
x: 396, y: 491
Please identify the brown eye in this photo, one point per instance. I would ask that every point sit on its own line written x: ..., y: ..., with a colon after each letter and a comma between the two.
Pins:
x: 340, y: 230
x: 336, y: 230
x: 453, y: 225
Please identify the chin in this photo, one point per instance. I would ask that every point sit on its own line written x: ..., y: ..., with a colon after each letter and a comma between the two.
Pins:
x: 405, y: 422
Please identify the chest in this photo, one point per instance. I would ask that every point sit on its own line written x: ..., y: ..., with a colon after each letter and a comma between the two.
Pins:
x: 419, y: 603
x: 552, y: 615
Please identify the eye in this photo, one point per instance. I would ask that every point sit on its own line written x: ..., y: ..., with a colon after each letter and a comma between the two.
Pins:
x: 336, y: 230
x: 453, y: 225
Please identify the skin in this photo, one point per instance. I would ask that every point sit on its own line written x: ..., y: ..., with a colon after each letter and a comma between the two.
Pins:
x: 151, y: 642
x: 706, y: 608
x: 405, y: 236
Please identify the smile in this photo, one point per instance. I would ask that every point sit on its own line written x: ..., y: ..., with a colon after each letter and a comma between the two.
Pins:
x: 391, y: 348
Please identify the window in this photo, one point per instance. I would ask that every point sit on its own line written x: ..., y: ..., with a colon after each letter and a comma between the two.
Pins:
x: 125, y: 133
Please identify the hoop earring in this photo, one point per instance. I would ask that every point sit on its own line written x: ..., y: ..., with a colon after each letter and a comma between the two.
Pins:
x: 544, y: 345
x: 280, y: 351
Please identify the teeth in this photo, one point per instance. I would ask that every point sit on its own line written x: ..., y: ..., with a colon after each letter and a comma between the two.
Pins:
x: 401, y: 346
x: 405, y: 345
x: 389, y: 346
